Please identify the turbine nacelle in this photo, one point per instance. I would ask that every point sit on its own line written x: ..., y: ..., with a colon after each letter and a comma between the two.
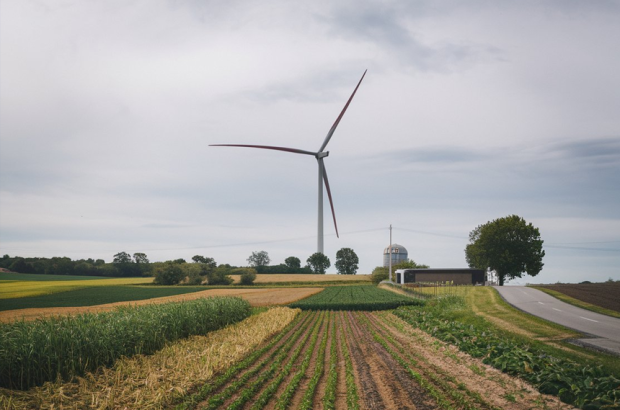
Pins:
x: 320, y: 155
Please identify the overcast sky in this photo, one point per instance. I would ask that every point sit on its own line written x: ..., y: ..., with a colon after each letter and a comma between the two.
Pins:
x: 470, y: 111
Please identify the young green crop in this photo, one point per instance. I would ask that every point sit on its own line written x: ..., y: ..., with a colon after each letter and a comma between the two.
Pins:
x: 329, y: 401
x: 364, y: 297
x: 43, y: 350
x: 275, y: 358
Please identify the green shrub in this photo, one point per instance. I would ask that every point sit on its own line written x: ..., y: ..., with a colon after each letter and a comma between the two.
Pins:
x: 32, y: 353
x: 248, y: 275
x: 169, y: 274
x: 219, y: 277
x: 378, y: 274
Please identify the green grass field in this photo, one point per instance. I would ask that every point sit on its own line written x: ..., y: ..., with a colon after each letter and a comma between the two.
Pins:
x: 97, y: 295
x: 26, y: 288
x: 4, y: 276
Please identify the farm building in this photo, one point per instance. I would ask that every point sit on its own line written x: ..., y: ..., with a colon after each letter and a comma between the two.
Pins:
x: 458, y: 276
x: 399, y: 254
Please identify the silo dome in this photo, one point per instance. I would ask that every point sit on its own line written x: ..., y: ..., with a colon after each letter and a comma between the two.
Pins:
x: 399, y: 254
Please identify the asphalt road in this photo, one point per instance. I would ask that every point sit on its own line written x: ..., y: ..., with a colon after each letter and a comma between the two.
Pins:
x: 603, y: 331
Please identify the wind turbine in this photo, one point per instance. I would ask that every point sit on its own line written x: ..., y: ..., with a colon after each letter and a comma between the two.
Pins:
x: 319, y: 155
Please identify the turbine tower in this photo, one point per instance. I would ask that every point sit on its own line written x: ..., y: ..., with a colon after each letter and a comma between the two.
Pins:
x: 319, y: 155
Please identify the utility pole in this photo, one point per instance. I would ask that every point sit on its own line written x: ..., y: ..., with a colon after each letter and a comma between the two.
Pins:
x: 390, y: 252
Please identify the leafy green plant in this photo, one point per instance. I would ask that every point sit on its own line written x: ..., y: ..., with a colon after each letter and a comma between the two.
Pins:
x: 582, y: 385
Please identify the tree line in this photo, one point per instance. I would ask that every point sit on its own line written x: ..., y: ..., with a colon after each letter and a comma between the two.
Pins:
x: 201, y: 270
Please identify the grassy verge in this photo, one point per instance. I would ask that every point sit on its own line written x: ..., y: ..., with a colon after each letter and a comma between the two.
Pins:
x: 486, y: 303
x: 97, y: 295
x: 578, y: 303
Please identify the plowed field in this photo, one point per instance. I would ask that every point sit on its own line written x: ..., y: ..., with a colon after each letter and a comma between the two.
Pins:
x: 604, y: 295
x: 328, y: 360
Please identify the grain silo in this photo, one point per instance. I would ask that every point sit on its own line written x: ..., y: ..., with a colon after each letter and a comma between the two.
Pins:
x: 399, y: 254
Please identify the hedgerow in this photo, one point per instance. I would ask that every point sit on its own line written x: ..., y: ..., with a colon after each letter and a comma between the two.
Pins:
x: 584, y: 386
x: 32, y: 353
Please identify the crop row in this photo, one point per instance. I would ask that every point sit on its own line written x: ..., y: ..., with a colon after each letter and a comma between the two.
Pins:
x: 583, y: 386
x: 286, y: 373
x: 32, y: 353
x: 363, y: 297
x: 323, y: 358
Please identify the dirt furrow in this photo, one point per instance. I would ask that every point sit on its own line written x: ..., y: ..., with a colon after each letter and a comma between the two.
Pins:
x: 395, y: 386
x: 366, y: 384
x: 341, y: 389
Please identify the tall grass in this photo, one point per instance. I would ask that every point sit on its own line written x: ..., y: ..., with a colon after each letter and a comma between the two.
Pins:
x: 32, y: 353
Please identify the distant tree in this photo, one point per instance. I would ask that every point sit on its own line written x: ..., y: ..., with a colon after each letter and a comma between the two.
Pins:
x: 346, y: 261
x: 140, y: 258
x: 379, y: 274
x: 259, y: 259
x: 99, y: 262
x: 122, y: 257
x: 169, y: 274
x: 509, y: 246
x: 20, y: 265
x: 207, y: 263
x: 292, y: 262
x: 383, y: 272
x: 248, y: 275
x: 179, y: 261
x: 199, y: 259
x: 220, y: 276
x: 408, y: 264
x: 318, y: 262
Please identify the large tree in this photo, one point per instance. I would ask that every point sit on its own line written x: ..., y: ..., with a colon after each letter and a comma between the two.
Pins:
x: 292, y: 262
x: 122, y: 257
x: 259, y: 259
x: 346, y: 261
x: 509, y: 246
x: 318, y: 262
x: 140, y: 257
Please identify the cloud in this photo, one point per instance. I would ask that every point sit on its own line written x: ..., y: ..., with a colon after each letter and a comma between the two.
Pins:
x: 596, y: 151
x: 435, y: 155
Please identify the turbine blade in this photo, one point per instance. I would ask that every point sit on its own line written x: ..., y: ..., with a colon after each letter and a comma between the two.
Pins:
x: 333, y: 128
x: 329, y: 195
x: 293, y: 150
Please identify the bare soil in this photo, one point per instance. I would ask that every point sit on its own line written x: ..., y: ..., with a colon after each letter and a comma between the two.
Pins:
x: 605, y: 295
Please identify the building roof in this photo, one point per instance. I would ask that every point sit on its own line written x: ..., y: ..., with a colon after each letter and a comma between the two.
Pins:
x: 396, y: 248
